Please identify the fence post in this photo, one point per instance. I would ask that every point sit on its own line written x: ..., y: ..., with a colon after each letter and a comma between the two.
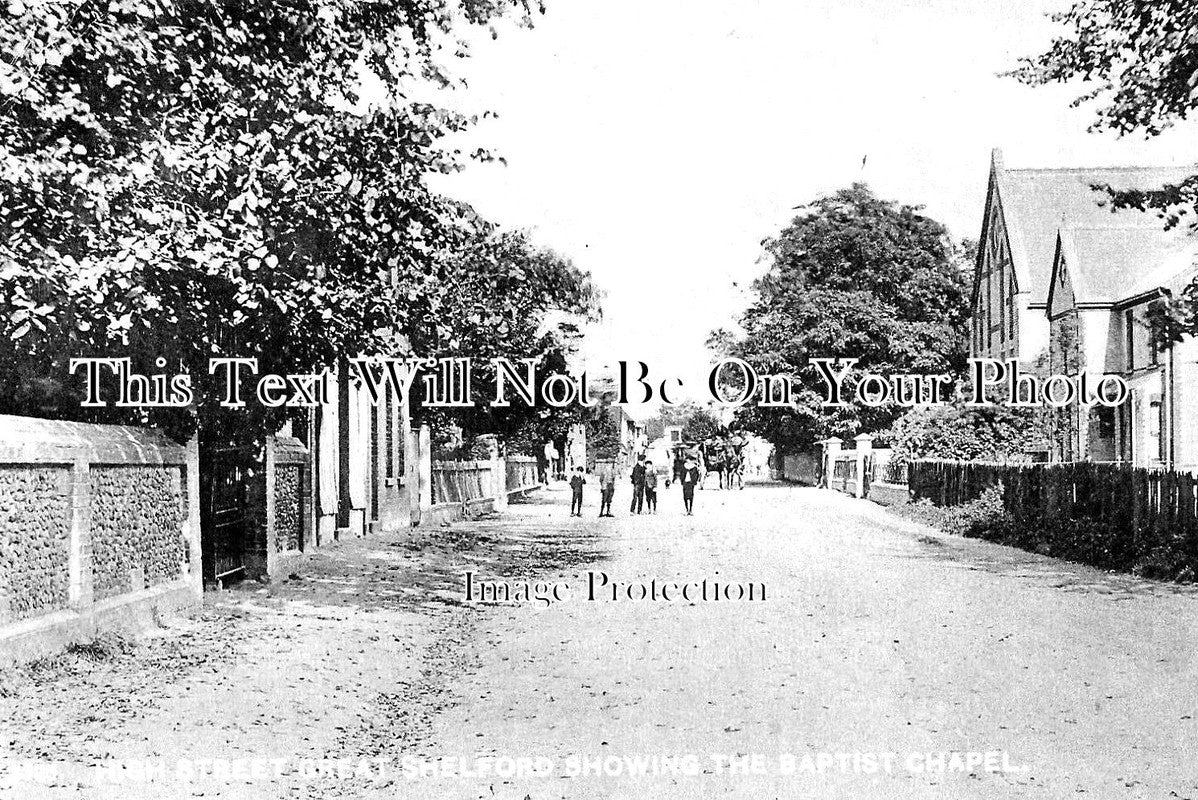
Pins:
x: 498, y: 471
x: 499, y: 480
x: 865, y: 446
x: 424, y: 468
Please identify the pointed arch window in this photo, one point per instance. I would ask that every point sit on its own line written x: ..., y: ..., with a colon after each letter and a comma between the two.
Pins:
x: 1011, y: 301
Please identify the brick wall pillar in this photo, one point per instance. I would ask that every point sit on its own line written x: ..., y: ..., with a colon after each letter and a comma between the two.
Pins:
x: 80, y: 547
x: 272, y: 529
x: 418, y: 464
x: 191, y: 488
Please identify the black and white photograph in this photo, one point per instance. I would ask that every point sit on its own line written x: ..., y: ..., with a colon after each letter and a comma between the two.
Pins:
x: 554, y: 399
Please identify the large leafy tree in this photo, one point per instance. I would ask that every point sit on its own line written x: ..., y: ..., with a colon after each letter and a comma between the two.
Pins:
x: 851, y: 276
x: 182, y: 180
x: 507, y: 298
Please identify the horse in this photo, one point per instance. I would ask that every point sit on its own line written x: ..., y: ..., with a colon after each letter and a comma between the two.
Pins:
x: 734, y: 466
x: 734, y: 461
x: 713, y: 461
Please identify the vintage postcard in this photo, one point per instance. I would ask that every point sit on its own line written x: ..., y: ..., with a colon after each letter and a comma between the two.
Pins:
x: 529, y: 399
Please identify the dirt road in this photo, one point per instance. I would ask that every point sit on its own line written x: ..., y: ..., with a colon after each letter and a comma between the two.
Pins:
x: 885, y: 660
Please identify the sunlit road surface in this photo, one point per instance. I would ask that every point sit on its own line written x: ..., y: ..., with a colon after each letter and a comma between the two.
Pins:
x: 886, y: 661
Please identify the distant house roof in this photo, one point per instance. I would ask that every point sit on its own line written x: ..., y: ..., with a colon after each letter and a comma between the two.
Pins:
x: 1108, y: 266
x: 1037, y: 203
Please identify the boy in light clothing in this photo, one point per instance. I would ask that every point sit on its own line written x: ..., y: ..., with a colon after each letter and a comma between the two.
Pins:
x: 650, y: 487
x: 607, y: 489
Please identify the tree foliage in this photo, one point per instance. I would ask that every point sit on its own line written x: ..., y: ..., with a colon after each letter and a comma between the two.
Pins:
x: 1137, y: 64
x: 514, y: 300
x: 1136, y: 58
x: 701, y: 425
x: 852, y: 276
x: 972, y: 433
x: 670, y: 416
x: 187, y: 180
x: 603, y: 424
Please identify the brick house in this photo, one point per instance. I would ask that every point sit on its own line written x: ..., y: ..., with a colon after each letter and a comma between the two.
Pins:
x: 1106, y: 285
x: 1066, y: 282
x: 361, y: 456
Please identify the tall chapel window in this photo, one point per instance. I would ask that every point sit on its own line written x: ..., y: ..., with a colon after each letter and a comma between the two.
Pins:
x: 1011, y: 310
x: 1002, y: 300
x: 989, y: 312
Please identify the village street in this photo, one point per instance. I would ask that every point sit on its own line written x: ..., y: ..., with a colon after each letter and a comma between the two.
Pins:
x: 880, y: 646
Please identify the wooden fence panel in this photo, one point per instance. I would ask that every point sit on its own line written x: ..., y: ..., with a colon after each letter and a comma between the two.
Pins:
x: 1157, y: 508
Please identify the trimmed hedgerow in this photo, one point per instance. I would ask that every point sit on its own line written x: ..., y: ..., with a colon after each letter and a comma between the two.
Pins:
x: 1098, y: 543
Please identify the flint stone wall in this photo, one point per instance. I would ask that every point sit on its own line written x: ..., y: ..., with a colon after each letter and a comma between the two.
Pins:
x: 137, y: 528
x: 35, y: 530
x: 99, y: 529
x: 289, y: 522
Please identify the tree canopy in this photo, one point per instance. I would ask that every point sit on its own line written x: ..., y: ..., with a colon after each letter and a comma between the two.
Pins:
x: 1137, y: 67
x: 687, y: 415
x: 851, y: 276
x: 183, y: 180
x: 701, y: 425
x: 1135, y: 59
x: 508, y: 298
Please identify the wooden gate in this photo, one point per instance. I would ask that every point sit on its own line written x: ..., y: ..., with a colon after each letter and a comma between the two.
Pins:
x: 226, y: 477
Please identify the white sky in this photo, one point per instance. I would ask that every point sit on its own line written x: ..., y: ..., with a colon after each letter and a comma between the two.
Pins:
x: 657, y: 142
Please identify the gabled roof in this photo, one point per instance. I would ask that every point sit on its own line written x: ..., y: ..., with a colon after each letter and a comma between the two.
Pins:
x: 1109, y: 266
x: 1036, y: 203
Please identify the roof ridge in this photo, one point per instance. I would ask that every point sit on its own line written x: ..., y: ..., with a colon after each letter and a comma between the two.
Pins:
x: 1114, y: 228
x: 1141, y: 168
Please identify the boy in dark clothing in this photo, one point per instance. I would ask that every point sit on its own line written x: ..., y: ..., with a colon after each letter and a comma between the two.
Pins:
x: 638, y: 487
x: 690, y: 476
x: 650, y: 487
x: 576, y: 484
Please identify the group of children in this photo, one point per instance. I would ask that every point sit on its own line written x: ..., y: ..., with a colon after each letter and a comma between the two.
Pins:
x: 644, y: 488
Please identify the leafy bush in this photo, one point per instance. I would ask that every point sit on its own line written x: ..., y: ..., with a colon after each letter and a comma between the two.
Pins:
x: 968, y: 433
x: 968, y: 519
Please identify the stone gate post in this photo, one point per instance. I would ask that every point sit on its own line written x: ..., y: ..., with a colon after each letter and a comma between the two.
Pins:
x: 829, y: 450
x: 865, y: 446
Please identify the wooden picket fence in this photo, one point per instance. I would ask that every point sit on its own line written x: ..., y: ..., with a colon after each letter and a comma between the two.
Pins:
x: 891, y: 472
x: 1147, y: 508
x: 468, y: 481
x: 521, y: 473
x: 462, y: 481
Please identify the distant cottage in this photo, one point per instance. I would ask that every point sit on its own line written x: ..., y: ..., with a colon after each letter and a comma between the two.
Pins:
x: 1064, y: 279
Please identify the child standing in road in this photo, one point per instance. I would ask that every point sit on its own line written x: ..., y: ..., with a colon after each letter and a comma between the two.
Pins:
x: 650, y: 487
x: 607, y: 489
x: 576, y: 484
x: 638, y: 487
x: 690, y: 476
